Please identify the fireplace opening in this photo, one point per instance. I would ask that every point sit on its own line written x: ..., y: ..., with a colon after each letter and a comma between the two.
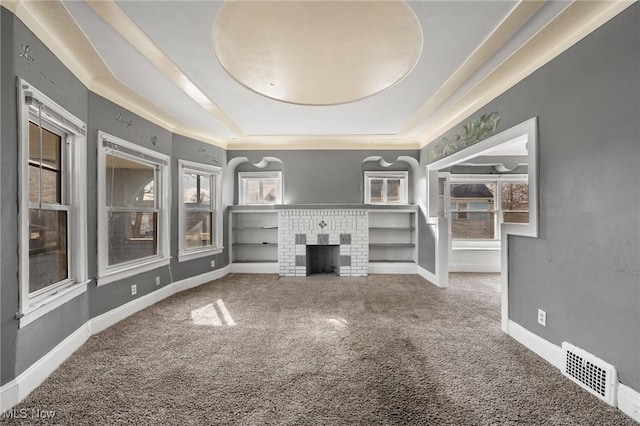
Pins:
x: 323, y: 259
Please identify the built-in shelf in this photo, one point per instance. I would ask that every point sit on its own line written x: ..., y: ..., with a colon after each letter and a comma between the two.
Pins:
x: 254, y: 235
x: 255, y: 244
x: 392, y: 236
x: 392, y: 245
x: 255, y: 227
x: 392, y: 228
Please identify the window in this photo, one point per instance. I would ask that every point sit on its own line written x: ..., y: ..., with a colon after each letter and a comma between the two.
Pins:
x: 260, y: 188
x: 133, y: 209
x: 515, y: 202
x: 53, y: 258
x: 477, y: 209
x: 200, y: 212
x: 386, y: 187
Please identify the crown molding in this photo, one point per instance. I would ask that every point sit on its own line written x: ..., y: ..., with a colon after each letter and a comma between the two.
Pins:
x: 322, y: 142
x: 518, y: 16
x: 575, y: 22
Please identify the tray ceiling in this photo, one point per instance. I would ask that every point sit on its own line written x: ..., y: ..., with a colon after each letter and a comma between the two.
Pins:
x: 308, y: 74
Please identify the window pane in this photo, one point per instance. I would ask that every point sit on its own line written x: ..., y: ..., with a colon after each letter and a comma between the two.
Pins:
x: 515, y: 217
x: 197, y: 190
x: 376, y: 190
x: 198, y: 229
x: 132, y: 236
x: 51, y: 165
x: 394, y: 191
x: 252, y: 192
x: 474, y: 225
x: 515, y: 202
x: 48, y: 262
x: 129, y: 183
x: 51, y: 192
x: 269, y: 191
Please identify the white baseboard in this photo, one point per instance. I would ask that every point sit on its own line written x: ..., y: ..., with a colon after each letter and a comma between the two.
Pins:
x: 629, y: 401
x: 9, y: 395
x: 255, y: 268
x: 470, y: 267
x: 392, y: 268
x: 18, y: 389
x: 543, y: 348
x: 429, y: 276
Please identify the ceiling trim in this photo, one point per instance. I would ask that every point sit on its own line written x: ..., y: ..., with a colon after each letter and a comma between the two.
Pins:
x: 55, y: 27
x: 518, y: 16
x: 333, y: 142
x: 57, y: 30
x: 127, y: 28
x: 575, y: 22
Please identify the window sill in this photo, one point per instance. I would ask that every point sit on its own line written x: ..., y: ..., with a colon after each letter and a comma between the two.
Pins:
x: 47, y: 304
x: 484, y: 245
x: 130, y: 270
x: 191, y: 255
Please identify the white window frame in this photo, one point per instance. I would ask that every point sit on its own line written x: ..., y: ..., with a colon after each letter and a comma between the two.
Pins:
x: 108, y: 274
x: 497, y: 180
x: 404, y: 186
x: 51, y: 115
x: 242, y: 192
x: 215, y: 174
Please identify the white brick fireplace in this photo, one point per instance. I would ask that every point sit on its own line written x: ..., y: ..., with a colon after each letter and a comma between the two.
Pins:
x: 346, y: 228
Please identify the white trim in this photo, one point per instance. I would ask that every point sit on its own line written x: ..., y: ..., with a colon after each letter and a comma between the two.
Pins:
x: 74, y: 171
x: 106, y: 273
x: 528, y: 131
x: 52, y: 302
x: 473, y: 267
x: 130, y: 270
x: 404, y: 186
x: 428, y: 275
x: 543, y: 348
x: 185, y: 257
x: 392, y: 268
x: 215, y: 173
x: 255, y: 268
x: 629, y: 401
x: 20, y: 387
x: 242, y: 176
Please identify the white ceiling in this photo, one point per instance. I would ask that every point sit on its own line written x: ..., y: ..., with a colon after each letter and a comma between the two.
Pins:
x: 157, y: 59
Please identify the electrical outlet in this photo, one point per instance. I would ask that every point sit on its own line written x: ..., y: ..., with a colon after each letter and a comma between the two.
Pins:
x: 134, y: 290
x: 157, y: 280
x: 213, y: 263
x: 542, y: 318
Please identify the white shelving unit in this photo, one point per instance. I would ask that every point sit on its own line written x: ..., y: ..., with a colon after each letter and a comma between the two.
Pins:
x: 392, y: 236
x: 254, y: 239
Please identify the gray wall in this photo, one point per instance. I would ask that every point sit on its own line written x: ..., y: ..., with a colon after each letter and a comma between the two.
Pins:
x: 584, y: 269
x: 102, y: 116
x: 319, y: 176
x: 20, y: 347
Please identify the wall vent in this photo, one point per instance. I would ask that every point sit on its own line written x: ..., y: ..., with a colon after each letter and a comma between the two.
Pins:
x: 590, y: 372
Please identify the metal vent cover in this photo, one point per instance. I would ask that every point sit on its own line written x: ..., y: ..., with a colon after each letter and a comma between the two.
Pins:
x: 590, y: 372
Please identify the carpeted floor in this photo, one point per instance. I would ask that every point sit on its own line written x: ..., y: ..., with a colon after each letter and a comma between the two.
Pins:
x: 258, y: 350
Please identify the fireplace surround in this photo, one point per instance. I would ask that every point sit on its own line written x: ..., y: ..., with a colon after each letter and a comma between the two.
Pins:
x: 346, y: 229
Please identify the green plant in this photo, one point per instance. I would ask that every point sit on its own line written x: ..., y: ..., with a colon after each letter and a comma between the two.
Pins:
x: 471, y: 133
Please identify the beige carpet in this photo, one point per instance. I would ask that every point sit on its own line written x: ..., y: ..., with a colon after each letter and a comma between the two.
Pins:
x: 258, y: 350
